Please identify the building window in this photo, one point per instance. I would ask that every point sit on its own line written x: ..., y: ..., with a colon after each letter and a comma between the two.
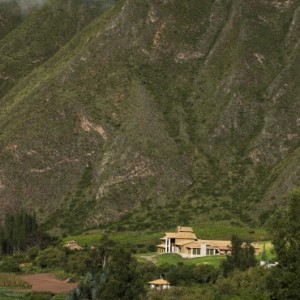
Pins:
x: 196, y: 251
x: 210, y: 252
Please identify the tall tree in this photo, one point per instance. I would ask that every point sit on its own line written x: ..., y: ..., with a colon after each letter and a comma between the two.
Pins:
x: 242, y: 256
x: 285, y: 229
x: 16, y: 231
x: 120, y: 278
x: 113, y: 275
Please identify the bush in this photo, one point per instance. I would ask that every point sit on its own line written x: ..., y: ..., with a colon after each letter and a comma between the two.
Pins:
x: 33, y: 252
x: 9, y: 265
x: 205, y: 274
x: 51, y: 257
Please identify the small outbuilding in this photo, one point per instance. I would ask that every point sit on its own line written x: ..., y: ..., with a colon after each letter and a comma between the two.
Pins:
x: 72, y: 245
x: 159, y: 284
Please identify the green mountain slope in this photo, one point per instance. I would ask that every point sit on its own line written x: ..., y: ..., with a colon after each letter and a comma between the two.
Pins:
x: 177, y: 111
x: 10, y: 17
x: 41, y: 35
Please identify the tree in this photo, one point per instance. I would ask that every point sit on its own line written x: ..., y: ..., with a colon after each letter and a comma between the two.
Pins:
x: 249, y: 284
x: 283, y: 281
x: 113, y: 275
x: 51, y: 258
x: 102, y: 254
x: 120, y: 278
x: 242, y: 256
x: 16, y: 232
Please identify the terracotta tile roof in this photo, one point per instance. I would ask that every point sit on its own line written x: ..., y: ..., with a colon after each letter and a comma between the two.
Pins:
x: 193, y: 245
x: 226, y: 245
x: 183, y: 242
x: 180, y: 235
x: 159, y: 282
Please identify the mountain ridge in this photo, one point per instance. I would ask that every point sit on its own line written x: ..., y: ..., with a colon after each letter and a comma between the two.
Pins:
x: 146, y: 107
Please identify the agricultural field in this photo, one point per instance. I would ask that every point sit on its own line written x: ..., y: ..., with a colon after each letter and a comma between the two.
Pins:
x: 10, y: 280
x: 207, y: 231
x: 20, y: 294
x: 13, y: 287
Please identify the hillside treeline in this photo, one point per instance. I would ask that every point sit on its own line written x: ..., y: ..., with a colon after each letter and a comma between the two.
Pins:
x: 20, y: 231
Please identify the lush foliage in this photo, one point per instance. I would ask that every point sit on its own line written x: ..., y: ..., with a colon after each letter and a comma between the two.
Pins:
x: 242, y: 256
x: 20, y: 232
x: 147, y: 110
x: 114, y: 275
x: 285, y: 227
x: 17, y: 231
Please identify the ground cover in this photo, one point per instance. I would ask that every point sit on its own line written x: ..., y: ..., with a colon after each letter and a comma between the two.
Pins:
x: 10, y: 280
x: 224, y: 232
x: 11, y: 294
x: 205, y: 231
x: 174, y: 259
x: 269, y: 248
x: 93, y: 237
x: 20, y: 294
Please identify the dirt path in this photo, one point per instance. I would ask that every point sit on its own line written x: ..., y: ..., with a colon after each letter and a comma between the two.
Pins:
x: 48, y: 283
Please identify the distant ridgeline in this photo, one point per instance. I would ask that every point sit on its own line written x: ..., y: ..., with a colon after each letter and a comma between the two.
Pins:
x: 19, y: 232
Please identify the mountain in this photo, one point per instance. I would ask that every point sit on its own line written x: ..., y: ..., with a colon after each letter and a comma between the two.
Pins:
x: 156, y: 112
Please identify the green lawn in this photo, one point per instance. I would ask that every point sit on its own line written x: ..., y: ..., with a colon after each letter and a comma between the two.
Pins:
x: 224, y: 232
x: 173, y: 259
x: 269, y: 250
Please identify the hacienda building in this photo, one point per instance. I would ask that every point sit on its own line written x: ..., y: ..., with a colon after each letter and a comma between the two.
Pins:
x: 185, y: 243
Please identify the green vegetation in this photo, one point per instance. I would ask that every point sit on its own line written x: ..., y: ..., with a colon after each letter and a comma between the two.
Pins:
x: 146, y: 238
x: 18, y: 229
x: 174, y: 259
x: 114, y: 275
x: 20, y: 232
x: 93, y: 237
x: 16, y: 294
x: 242, y: 256
x: 11, y: 280
x: 285, y: 225
x: 139, y: 112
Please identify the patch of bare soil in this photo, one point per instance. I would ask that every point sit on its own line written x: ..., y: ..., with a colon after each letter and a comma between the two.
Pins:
x: 48, y: 283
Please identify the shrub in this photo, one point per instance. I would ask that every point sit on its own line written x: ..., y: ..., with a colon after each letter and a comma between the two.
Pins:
x: 51, y: 257
x: 33, y: 252
x: 9, y: 265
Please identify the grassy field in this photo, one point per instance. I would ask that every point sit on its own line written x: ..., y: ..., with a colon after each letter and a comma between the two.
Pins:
x: 224, y: 232
x: 207, y: 231
x: 93, y: 237
x: 174, y: 259
x: 269, y: 250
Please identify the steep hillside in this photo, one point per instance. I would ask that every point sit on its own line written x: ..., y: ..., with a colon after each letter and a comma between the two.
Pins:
x: 44, y: 31
x: 177, y: 111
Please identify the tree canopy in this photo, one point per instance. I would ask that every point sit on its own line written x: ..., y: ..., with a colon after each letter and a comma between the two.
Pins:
x: 285, y: 228
x: 242, y: 256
